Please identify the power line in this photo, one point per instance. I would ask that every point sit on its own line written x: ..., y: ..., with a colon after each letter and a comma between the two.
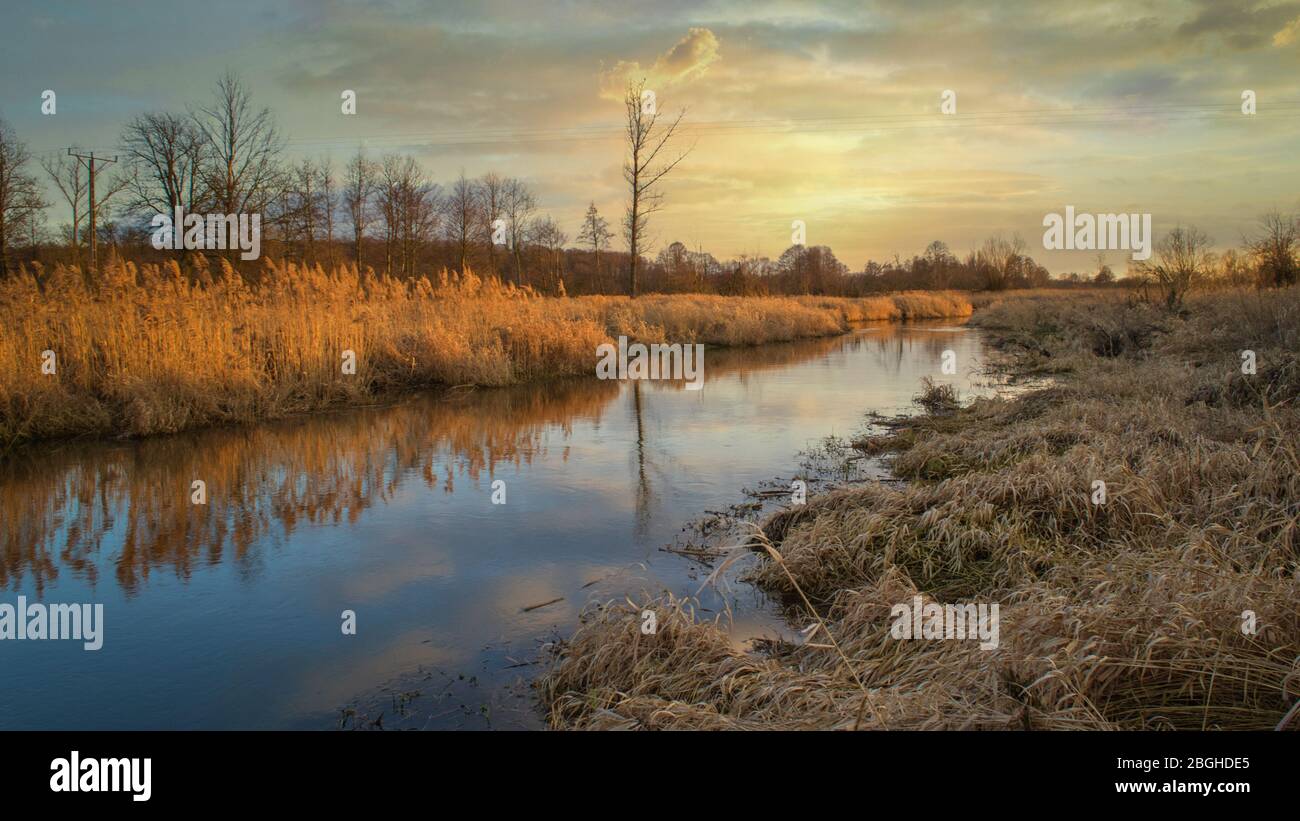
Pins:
x: 90, y: 160
x: 1040, y: 117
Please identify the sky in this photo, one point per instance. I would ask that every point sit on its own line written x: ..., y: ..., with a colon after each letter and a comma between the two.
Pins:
x: 824, y: 112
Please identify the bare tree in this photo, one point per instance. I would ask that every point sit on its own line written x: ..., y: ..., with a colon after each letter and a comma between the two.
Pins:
x: 462, y: 217
x: 491, y: 193
x: 1274, y: 248
x: 72, y: 178
x: 33, y: 216
x: 164, y: 153
x: 546, y: 233
x: 1183, y: 260
x: 358, y: 186
x: 408, y: 206
x: 388, y: 192
x: 517, y: 206
x: 67, y: 174
x: 328, y: 204
x: 939, y: 263
x: 242, y: 145
x: 999, y: 259
x: 309, y: 206
x: 643, y: 169
x: 304, y: 208
x: 595, y: 232
x: 19, y: 194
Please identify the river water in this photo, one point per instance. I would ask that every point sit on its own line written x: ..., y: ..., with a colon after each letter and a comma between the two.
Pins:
x: 229, y: 614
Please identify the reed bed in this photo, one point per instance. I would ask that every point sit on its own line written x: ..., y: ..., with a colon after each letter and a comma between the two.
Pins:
x: 1124, y: 615
x: 148, y: 349
x: 908, y: 305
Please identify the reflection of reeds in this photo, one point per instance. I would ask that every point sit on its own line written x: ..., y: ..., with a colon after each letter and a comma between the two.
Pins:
x: 1124, y: 615
x: 157, y: 349
x: 56, y: 509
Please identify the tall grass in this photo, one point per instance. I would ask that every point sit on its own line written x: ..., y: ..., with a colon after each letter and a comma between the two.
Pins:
x: 148, y: 349
x: 1127, y: 615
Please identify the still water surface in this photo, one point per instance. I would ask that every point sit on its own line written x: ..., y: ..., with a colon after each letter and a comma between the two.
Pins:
x: 228, y: 615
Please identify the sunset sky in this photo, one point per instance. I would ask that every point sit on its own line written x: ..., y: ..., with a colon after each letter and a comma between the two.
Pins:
x: 823, y: 112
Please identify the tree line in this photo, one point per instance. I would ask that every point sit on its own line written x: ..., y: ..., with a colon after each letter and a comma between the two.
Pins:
x: 388, y: 213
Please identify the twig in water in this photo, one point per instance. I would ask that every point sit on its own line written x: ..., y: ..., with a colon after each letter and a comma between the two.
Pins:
x: 543, y: 604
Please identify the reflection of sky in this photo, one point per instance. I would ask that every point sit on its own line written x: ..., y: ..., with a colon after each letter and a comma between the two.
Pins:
x: 439, y: 580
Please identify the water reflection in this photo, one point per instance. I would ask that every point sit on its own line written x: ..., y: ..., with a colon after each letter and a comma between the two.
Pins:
x: 261, y: 480
x: 387, y: 510
x: 58, y: 503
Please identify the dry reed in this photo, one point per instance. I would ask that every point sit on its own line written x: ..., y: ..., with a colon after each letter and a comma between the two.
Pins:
x: 157, y: 349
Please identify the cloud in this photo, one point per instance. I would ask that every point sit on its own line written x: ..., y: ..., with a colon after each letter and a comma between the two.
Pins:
x: 687, y: 60
x: 1288, y: 33
x: 1243, y: 26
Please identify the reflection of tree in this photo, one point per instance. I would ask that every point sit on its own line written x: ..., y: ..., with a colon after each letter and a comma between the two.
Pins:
x: 642, y: 482
x: 894, y: 343
x: 56, y: 509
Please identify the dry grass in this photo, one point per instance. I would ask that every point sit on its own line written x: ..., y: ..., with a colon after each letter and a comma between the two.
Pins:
x: 1121, y: 616
x: 157, y: 349
x: 908, y: 305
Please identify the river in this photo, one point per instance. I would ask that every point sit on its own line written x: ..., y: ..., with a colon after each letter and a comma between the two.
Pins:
x: 230, y: 614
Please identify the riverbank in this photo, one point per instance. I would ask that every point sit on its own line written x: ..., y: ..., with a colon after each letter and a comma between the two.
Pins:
x: 1168, y: 604
x: 151, y: 349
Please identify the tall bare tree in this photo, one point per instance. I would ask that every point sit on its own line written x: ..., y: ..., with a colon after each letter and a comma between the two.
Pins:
x: 69, y: 178
x: 517, y: 206
x: 163, y: 156
x: 358, y: 187
x: 546, y: 233
x: 408, y: 207
x: 19, y: 195
x: 306, y: 207
x: 242, y: 146
x: 644, y: 169
x: 462, y: 217
x: 328, y: 205
x: 491, y: 189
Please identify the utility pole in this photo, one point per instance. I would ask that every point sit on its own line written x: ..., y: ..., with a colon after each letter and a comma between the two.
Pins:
x: 90, y: 160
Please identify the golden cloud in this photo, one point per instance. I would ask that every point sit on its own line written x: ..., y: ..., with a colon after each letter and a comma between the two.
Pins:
x: 1288, y: 34
x: 687, y: 60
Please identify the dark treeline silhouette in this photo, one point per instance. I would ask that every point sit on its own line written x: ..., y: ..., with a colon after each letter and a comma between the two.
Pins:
x: 387, y: 213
